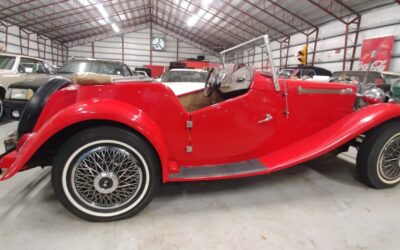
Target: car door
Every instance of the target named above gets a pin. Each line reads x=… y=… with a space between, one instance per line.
x=239 y=128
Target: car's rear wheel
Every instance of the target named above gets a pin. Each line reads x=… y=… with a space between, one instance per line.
x=106 y=174
x=378 y=159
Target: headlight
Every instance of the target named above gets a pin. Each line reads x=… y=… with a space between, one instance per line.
x=374 y=95
x=21 y=94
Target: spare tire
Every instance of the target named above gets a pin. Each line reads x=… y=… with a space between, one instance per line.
x=34 y=107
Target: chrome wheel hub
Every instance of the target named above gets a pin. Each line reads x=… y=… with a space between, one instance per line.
x=389 y=160
x=106 y=177
x=106 y=183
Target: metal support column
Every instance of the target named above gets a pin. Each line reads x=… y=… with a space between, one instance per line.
x=123 y=47
x=351 y=19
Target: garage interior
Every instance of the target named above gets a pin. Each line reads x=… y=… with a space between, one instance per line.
x=316 y=205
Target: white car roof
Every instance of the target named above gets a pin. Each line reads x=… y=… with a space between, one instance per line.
x=31 y=57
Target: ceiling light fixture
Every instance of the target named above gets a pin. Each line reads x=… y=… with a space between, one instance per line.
x=192 y=20
x=102 y=11
x=115 y=27
x=106 y=16
x=206 y=2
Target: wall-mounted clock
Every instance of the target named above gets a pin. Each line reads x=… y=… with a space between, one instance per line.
x=158 y=43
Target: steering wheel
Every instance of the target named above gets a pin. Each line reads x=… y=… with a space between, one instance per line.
x=211 y=82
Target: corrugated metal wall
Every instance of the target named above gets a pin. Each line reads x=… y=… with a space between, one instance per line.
x=24 y=42
x=136 y=50
x=378 y=22
x=329 y=53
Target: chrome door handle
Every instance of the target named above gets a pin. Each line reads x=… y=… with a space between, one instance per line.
x=267 y=118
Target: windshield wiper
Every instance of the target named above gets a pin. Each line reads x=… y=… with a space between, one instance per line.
x=64 y=72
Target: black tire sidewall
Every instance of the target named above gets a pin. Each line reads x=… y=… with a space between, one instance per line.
x=99 y=134
x=369 y=152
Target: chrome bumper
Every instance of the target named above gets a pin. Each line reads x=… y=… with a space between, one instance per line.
x=10 y=143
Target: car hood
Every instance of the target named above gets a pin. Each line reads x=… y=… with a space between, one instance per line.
x=35 y=83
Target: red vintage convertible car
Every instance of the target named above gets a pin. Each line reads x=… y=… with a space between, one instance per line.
x=111 y=144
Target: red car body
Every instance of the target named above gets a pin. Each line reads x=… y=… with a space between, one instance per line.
x=309 y=119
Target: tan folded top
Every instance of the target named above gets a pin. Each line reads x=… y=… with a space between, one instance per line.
x=91 y=79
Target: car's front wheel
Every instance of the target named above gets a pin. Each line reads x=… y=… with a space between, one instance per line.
x=106 y=174
x=378 y=159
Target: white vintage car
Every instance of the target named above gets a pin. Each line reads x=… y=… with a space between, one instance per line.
x=16 y=68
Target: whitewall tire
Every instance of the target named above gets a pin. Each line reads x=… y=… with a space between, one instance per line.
x=106 y=174
x=378 y=159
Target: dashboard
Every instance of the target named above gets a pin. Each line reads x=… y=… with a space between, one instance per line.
x=236 y=82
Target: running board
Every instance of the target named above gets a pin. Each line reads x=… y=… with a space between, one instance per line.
x=231 y=170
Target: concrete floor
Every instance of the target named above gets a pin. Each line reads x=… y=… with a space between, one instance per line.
x=319 y=205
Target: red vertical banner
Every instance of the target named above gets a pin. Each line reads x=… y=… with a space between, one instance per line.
x=383 y=47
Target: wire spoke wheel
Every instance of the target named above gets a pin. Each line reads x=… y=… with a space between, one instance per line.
x=106 y=177
x=389 y=159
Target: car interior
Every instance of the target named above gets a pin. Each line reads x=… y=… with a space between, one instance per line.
x=224 y=85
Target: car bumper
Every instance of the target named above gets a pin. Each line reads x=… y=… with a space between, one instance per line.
x=8 y=158
x=13 y=108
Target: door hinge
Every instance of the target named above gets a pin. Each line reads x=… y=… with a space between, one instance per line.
x=189 y=124
x=189 y=149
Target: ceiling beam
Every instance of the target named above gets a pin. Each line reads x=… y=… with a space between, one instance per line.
x=196 y=31
x=31 y=9
x=217 y=28
x=242 y=12
x=89 y=20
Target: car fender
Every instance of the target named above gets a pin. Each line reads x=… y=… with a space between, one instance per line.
x=332 y=137
x=107 y=110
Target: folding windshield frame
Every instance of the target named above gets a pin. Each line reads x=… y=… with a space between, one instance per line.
x=252 y=44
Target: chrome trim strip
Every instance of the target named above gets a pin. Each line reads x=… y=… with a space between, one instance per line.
x=346 y=91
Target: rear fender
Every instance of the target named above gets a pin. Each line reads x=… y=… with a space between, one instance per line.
x=108 y=110
x=332 y=137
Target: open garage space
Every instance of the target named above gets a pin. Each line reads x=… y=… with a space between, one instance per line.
x=199 y=124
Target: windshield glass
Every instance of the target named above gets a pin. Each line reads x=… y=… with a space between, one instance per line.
x=184 y=76
x=256 y=54
x=7 y=62
x=391 y=79
x=92 y=67
x=356 y=77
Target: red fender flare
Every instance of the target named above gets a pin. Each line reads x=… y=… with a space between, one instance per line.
x=108 y=110
x=332 y=137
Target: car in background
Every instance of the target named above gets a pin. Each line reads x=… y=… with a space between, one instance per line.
x=142 y=73
x=20 y=93
x=383 y=80
x=183 y=81
x=16 y=68
x=305 y=73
